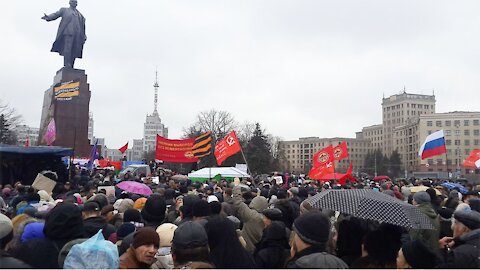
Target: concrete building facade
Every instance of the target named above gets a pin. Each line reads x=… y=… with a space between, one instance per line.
x=25 y=132
x=462 y=135
x=298 y=154
x=398 y=109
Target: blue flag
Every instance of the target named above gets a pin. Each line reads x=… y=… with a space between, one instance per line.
x=93 y=156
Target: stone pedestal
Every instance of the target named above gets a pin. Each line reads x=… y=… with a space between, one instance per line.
x=67 y=101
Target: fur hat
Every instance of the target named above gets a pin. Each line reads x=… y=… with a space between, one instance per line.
x=154 y=209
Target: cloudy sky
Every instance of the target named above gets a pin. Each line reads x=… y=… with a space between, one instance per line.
x=300 y=68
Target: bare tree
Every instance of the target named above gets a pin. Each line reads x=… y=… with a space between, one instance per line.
x=245 y=131
x=10 y=114
x=220 y=123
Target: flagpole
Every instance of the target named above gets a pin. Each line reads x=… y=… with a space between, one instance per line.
x=446 y=162
x=243 y=155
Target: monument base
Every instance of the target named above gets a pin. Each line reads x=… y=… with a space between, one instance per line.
x=67 y=102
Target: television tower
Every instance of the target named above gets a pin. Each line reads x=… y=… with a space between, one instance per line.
x=155 y=100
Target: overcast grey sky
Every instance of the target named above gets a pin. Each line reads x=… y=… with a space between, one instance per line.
x=300 y=68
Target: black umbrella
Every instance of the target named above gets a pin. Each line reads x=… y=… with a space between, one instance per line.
x=372 y=205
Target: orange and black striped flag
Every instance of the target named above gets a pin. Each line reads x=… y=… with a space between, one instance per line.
x=203 y=145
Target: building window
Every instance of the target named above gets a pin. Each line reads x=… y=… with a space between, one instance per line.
x=467 y=143
x=448 y=142
x=438 y=123
x=457 y=142
x=429 y=123
x=456 y=123
x=466 y=123
x=448 y=132
x=476 y=122
x=457 y=132
x=448 y=123
x=476 y=132
x=466 y=132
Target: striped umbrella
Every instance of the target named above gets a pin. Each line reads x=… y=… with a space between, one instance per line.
x=372 y=205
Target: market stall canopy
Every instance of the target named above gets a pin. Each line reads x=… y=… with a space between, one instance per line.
x=36 y=150
x=218 y=173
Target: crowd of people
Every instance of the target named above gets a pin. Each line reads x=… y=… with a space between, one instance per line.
x=240 y=224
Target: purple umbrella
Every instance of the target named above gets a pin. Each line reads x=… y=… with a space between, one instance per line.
x=135 y=187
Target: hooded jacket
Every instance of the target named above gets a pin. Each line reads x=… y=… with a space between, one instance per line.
x=428 y=237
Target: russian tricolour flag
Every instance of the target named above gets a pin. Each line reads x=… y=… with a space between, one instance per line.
x=434 y=145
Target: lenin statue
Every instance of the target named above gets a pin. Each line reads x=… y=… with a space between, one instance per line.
x=71 y=33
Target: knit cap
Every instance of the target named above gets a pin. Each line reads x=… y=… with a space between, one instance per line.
x=145 y=236
x=313 y=228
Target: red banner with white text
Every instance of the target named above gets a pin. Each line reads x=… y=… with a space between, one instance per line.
x=179 y=151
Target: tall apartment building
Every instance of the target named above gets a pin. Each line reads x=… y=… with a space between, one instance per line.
x=462 y=135
x=298 y=154
x=25 y=132
x=153 y=125
x=398 y=109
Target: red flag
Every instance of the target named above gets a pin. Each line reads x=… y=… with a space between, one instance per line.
x=318 y=172
x=123 y=148
x=350 y=169
x=27 y=142
x=323 y=156
x=473 y=160
x=340 y=151
x=226 y=147
x=322 y=163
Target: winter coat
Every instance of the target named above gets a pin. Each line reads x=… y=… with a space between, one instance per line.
x=93 y=224
x=252 y=221
x=228 y=208
x=465 y=253
x=288 y=211
x=428 y=237
x=312 y=257
x=273 y=250
x=128 y=260
x=9 y=262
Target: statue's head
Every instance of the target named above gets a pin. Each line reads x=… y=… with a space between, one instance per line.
x=73 y=3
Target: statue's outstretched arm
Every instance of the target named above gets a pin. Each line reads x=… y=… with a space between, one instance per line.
x=52 y=16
